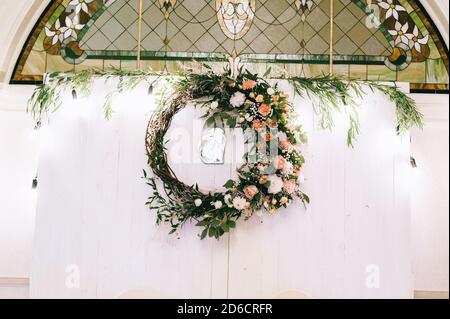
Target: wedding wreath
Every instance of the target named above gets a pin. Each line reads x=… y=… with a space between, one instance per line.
x=267 y=181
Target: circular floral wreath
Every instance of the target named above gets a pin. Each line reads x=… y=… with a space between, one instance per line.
x=269 y=180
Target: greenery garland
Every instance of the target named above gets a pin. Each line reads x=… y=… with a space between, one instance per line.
x=262 y=106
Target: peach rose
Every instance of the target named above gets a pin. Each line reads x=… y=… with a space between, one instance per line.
x=288 y=147
x=252 y=95
x=285 y=95
x=272 y=123
x=279 y=162
x=285 y=107
x=264 y=109
x=260 y=99
x=258 y=124
x=298 y=171
x=275 y=98
x=263 y=179
x=284 y=200
x=232 y=84
x=289 y=186
x=248 y=85
x=248 y=102
x=250 y=191
x=267 y=137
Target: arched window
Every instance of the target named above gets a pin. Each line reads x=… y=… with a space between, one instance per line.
x=386 y=40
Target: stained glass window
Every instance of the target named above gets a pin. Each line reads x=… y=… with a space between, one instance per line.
x=386 y=40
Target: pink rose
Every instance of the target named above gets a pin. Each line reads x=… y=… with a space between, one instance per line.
x=289 y=186
x=284 y=200
x=250 y=191
x=288 y=147
x=279 y=162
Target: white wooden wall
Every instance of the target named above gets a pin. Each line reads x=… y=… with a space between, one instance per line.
x=91 y=215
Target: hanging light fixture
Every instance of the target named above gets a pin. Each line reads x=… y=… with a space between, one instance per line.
x=74 y=94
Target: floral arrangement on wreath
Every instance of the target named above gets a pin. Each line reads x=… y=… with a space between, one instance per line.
x=269 y=179
x=265 y=184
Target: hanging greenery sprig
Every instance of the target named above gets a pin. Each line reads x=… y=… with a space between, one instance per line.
x=46 y=98
x=332 y=93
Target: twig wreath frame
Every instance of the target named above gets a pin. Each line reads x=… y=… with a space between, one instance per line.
x=248 y=101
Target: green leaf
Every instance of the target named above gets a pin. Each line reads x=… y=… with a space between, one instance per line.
x=212 y=232
x=210 y=121
x=229 y=184
x=219 y=232
x=231 y=224
x=232 y=122
x=204 y=233
x=225 y=116
x=225 y=227
x=215 y=222
x=305 y=198
x=202 y=223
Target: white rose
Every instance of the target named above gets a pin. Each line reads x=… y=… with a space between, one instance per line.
x=214 y=105
x=218 y=204
x=239 y=203
x=237 y=99
x=240 y=119
x=276 y=184
x=198 y=202
x=248 y=117
x=227 y=200
x=270 y=91
x=288 y=168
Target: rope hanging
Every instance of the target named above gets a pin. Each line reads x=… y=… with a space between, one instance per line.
x=139 y=36
x=331 y=34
